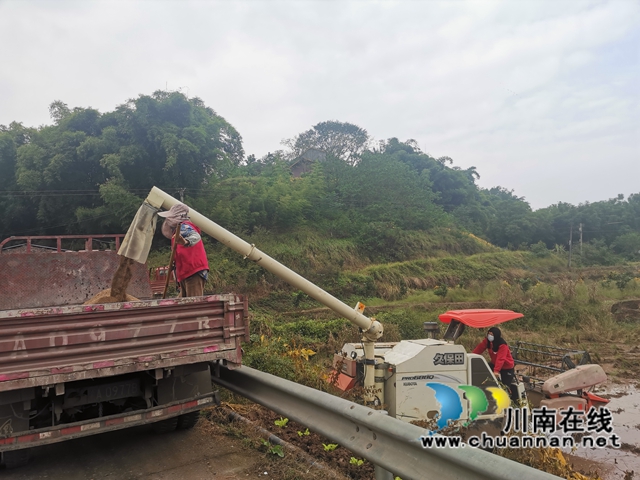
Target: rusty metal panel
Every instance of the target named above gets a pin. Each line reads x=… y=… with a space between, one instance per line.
x=43 y=346
x=43 y=436
x=62 y=278
x=158 y=279
x=26 y=243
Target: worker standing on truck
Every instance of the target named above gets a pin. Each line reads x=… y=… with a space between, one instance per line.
x=191 y=265
x=502 y=362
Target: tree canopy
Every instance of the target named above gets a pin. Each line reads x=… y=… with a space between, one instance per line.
x=88 y=172
x=342 y=140
x=91 y=167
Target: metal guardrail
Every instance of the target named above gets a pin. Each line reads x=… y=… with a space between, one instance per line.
x=384 y=441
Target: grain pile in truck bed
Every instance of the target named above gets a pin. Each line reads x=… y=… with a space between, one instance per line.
x=118 y=291
x=105 y=297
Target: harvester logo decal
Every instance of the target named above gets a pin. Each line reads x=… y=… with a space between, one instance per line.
x=449 y=359
x=451 y=405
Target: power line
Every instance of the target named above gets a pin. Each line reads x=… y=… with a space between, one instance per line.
x=207 y=193
x=67 y=193
x=63 y=225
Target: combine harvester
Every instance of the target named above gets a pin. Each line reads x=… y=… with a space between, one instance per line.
x=405 y=370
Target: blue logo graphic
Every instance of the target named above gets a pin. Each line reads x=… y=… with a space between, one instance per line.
x=451 y=406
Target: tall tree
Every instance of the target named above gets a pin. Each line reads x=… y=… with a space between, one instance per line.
x=510 y=219
x=164 y=139
x=339 y=139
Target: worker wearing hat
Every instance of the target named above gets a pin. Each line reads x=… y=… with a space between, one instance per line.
x=192 y=267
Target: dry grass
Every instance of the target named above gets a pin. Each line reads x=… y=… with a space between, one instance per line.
x=567 y=288
x=602 y=330
x=550 y=460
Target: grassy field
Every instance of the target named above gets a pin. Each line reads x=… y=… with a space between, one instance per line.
x=440 y=270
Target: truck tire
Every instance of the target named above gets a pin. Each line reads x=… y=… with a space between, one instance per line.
x=16 y=458
x=166 y=426
x=188 y=420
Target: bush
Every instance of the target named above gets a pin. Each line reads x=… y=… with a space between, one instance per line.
x=380 y=241
x=408 y=322
x=596 y=252
x=540 y=250
x=269 y=358
x=311 y=330
x=628 y=245
x=441 y=291
x=621 y=279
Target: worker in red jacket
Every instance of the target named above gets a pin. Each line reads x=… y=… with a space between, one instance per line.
x=192 y=267
x=502 y=362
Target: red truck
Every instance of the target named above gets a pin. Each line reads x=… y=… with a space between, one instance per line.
x=69 y=370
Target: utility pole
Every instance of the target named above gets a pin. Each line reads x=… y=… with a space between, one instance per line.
x=580 y=243
x=570 y=241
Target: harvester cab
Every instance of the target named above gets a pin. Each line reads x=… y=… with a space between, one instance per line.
x=573 y=376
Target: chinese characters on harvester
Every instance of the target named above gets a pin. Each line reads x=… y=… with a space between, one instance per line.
x=448 y=359
x=534 y=429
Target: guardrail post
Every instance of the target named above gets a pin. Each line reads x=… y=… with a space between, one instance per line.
x=381 y=473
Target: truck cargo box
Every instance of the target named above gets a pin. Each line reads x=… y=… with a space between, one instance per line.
x=45 y=346
x=47 y=271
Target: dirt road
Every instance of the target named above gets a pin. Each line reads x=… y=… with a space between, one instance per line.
x=138 y=453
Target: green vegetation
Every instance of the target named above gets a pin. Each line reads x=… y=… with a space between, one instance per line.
x=273 y=449
x=89 y=171
x=570 y=308
x=282 y=422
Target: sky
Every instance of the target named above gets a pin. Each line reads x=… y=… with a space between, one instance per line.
x=542 y=97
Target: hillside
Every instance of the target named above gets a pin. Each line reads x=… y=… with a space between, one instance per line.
x=391 y=202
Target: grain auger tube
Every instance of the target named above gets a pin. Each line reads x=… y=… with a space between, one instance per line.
x=157 y=199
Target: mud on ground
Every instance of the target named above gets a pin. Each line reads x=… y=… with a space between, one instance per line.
x=337 y=458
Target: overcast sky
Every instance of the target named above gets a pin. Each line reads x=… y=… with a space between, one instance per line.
x=542 y=97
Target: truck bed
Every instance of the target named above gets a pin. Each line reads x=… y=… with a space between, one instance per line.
x=46 y=346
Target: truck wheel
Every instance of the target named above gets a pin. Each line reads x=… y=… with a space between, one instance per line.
x=166 y=426
x=16 y=458
x=188 y=420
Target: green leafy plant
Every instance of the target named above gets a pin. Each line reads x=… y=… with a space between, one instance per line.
x=306 y=432
x=540 y=250
x=356 y=461
x=331 y=447
x=441 y=290
x=621 y=279
x=282 y=422
x=526 y=283
x=273 y=449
